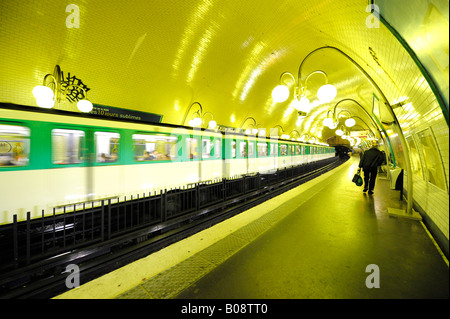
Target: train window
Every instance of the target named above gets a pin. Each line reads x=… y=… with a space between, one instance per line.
x=67 y=146
x=283 y=150
x=217 y=149
x=206 y=148
x=298 y=149
x=251 y=149
x=154 y=147
x=192 y=148
x=243 y=149
x=262 y=149
x=14 y=145
x=106 y=147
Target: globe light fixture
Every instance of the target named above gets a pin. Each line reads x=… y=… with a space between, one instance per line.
x=85 y=106
x=280 y=93
x=55 y=89
x=42 y=92
x=45 y=103
x=326 y=93
x=328 y=121
x=339 y=132
x=350 y=122
x=212 y=124
x=333 y=125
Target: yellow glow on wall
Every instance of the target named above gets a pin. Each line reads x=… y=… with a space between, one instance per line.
x=200 y=52
x=189 y=33
x=256 y=51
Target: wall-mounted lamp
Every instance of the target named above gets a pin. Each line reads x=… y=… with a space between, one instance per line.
x=253 y=131
x=325 y=94
x=298 y=135
x=283 y=135
x=55 y=88
x=349 y=122
x=339 y=132
x=197 y=117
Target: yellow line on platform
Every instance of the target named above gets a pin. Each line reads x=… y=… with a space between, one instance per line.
x=123 y=279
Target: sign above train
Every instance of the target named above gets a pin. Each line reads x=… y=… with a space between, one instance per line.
x=119 y=113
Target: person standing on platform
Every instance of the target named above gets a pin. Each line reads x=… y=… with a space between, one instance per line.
x=369 y=163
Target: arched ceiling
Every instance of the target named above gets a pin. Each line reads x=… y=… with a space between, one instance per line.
x=160 y=56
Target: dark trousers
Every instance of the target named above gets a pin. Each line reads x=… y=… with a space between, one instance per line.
x=370 y=175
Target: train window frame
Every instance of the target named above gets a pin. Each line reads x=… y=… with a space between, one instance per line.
x=190 y=155
x=233 y=148
x=280 y=149
x=154 y=158
x=209 y=141
x=260 y=144
x=7 y=158
x=82 y=151
x=109 y=158
x=243 y=152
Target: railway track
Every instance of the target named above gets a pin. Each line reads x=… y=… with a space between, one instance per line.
x=46 y=278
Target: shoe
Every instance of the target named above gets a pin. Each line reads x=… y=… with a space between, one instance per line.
x=370 y=192
x=364 y=190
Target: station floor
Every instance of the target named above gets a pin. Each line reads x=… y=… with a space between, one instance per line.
x=325 y=239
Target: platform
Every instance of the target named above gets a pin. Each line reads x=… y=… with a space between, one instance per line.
x=320 y=240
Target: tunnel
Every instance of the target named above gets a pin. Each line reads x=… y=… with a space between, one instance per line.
x=340 y=74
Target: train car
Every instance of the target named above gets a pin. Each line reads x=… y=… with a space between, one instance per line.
x=51 y=158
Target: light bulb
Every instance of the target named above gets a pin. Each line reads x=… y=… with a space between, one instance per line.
x=326 y=93
x=339 y=132
x=280 y=93
x=196 y=121
x=212 y=124
x=327 y=122
x=333 y=125
x=304 y=105
x=350 y=122
x=42 y=92
x=85 y=106
x=45 y=103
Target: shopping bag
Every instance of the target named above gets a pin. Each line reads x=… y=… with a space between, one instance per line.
x=357 y=179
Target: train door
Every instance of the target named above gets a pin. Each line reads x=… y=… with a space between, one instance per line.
x=71 y=148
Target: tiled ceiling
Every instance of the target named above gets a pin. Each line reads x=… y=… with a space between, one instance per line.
x=160 y=56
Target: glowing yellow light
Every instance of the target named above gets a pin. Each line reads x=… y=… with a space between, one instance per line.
x=326 y=93
x=280 y=93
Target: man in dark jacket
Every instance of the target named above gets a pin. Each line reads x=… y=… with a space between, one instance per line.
x=369 y=162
